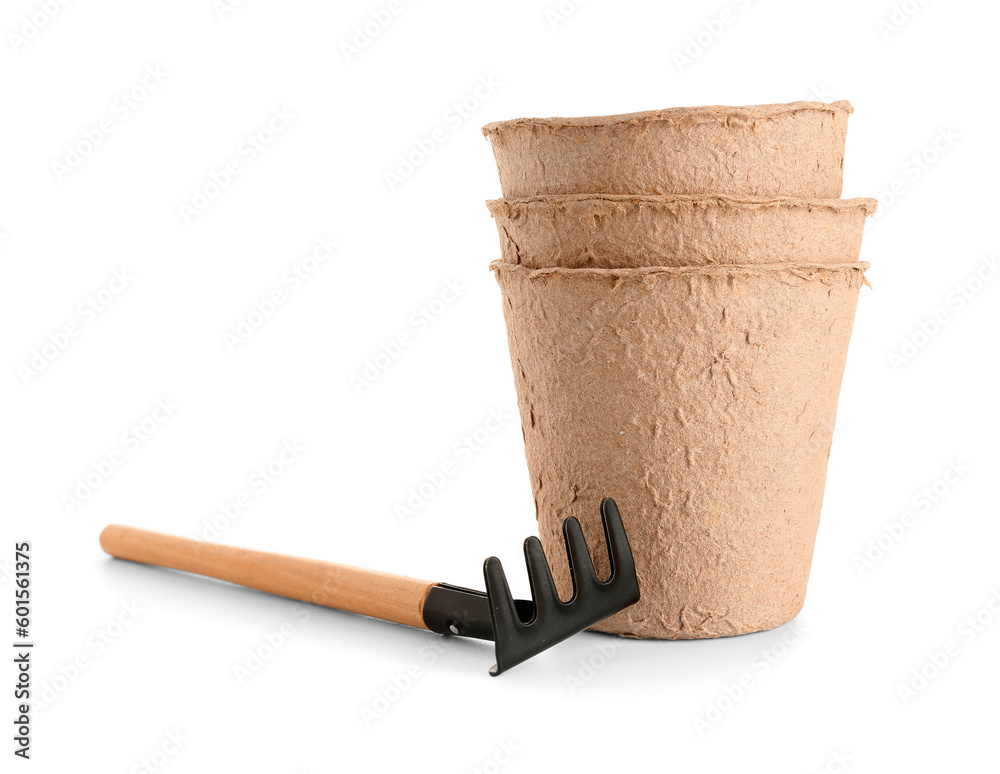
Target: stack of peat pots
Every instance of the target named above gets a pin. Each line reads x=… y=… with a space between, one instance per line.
x=679 y=290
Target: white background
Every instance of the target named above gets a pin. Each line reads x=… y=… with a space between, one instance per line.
x=829 y=696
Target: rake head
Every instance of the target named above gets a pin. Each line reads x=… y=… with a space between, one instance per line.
x=521 y=629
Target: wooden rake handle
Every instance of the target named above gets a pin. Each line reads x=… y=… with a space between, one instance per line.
x=354 y=589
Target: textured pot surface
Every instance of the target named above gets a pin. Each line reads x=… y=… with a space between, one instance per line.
x=794 y=149
x=608 y=231
x=702 y=399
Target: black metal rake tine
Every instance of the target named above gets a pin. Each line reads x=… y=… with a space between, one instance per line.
x=502 y=608
x=581 y=566
x=543 y=587
x=619 y=552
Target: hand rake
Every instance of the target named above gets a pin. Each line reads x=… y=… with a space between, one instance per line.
x=519 y=628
